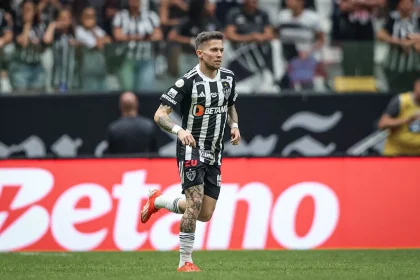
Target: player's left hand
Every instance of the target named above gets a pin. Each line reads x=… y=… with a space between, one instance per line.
x=235 y=136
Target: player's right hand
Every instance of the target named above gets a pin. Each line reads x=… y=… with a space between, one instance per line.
x=186 y=138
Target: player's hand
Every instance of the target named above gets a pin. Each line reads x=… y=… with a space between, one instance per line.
x=186 y=138
x=235 y=136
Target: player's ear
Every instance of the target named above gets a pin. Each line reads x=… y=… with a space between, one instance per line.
x=199 y=53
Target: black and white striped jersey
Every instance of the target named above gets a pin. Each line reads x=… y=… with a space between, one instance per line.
x=204 y=105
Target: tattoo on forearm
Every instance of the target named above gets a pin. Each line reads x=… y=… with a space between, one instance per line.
x=165 y=122
x=232 y=116
x=194 y=196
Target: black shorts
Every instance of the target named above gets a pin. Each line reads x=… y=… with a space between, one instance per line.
x=194 y=172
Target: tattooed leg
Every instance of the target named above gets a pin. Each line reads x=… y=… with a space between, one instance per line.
x=194 y=198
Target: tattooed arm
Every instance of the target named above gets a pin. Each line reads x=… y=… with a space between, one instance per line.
x=233 y=123
x=164 y=121
x=162 y=118
x=232 y=116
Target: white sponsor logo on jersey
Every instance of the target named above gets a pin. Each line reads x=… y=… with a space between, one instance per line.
x=215 y=110
x=169 y=99
x=172 y=93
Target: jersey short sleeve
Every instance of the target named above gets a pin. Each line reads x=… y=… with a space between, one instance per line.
x=265 y=19
x=389 y=24
x=176 y=93
x=393 y=108
x=233 y=95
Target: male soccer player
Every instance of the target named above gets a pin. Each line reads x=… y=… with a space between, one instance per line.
x=206 y=95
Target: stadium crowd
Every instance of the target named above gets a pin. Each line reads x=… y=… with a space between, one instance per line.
x=142 y=45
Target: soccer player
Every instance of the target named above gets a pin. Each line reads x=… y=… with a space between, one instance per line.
x=206 y=95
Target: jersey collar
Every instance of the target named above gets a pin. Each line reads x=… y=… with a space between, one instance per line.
x=205 y=78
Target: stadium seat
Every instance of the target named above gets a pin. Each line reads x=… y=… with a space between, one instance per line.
x=355 y=84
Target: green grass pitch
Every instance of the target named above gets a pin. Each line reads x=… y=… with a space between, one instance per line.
x=219 y=265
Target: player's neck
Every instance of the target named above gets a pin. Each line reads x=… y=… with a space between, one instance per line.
x=208 y=72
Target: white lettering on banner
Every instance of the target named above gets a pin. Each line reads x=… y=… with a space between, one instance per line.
x=34 y=184
x=259 y=199
x=65 y=216
x=265 y=214
x=130 y=194
x=325 y=220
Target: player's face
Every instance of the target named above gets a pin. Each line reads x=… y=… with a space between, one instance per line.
x=211 y=53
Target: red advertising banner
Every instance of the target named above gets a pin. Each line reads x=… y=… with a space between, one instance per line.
x=94 y=204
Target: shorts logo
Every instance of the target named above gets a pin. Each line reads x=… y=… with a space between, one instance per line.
x=219 y=180
x=206 y=154
x=190 y=175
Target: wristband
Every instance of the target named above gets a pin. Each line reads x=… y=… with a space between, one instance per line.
x=176 y=129
x=234 y=125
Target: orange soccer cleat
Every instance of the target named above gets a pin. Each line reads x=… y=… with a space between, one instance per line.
x=149 y=209
x=189 y=267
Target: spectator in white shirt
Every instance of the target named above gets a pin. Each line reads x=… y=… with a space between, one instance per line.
x=94 y=39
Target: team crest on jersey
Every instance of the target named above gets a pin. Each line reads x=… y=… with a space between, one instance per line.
x=190 y=175
x=179 y=83
x=226 y=89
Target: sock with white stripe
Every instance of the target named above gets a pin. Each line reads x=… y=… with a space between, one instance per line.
x=169 y=203
x=186 y=244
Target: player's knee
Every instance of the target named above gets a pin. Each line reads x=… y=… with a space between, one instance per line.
x=205 y=217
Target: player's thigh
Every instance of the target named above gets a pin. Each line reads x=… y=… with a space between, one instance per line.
x=191 y=173
x=212 y=184
x=207 y=208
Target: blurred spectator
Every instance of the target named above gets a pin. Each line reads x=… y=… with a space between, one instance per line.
x=112 y=7
x=248 y=24
x=15 y=8
x=172 y=12
x=201 y=18
x=356 y=34
x=402 y=65
x=93 y=66
x=308 y=4
x=303 y=69
x=135 y=31
x=131 y=134
x=26 y=71
x=223 y=7
x=299 y=27
x=249 y=30
x=61 y=34
x=402 y=118
x=6 y=36
x=100 y=7
x=392 y=5
x=48 y=10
